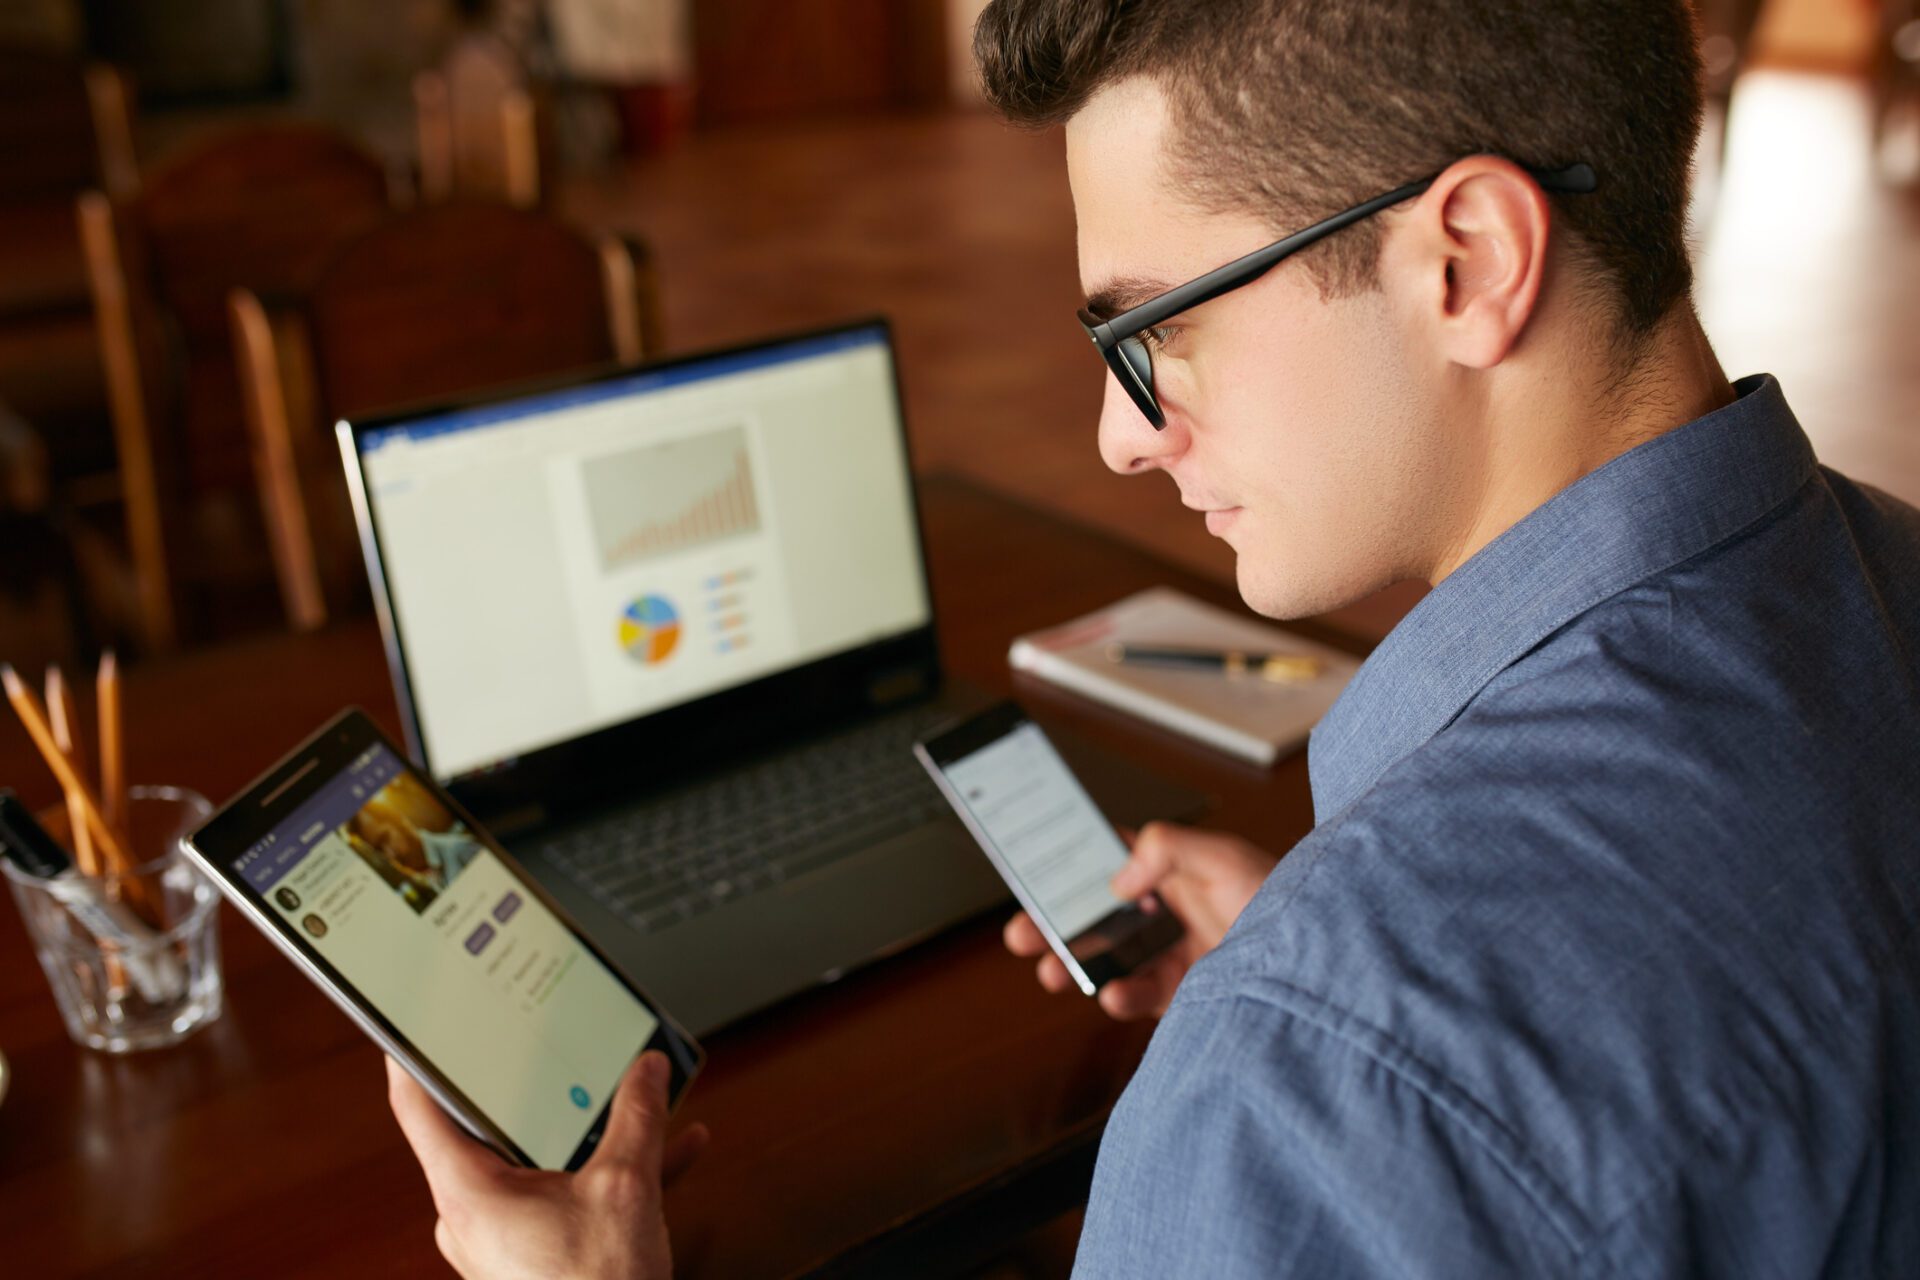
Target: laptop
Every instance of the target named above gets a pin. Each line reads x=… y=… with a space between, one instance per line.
x=667 y=631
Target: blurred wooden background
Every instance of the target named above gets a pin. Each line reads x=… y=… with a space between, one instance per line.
x=775 y=165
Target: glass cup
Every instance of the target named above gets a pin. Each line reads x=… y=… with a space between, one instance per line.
x=133 y=957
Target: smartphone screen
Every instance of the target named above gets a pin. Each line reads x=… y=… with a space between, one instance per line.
x=1052 y=844
x=375 y=873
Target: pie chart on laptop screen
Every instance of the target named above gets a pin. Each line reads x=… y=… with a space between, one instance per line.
x=649 y=630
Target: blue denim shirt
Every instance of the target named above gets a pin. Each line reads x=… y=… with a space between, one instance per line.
x=1603 y=957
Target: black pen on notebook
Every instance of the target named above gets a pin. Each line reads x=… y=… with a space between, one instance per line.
x=1279 y=668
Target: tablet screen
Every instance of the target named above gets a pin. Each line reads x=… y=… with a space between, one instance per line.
x=438 y=934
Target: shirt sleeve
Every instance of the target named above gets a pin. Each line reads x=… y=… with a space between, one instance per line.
x=1259 y=1140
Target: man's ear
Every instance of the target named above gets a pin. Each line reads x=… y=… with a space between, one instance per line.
x=1477 y=244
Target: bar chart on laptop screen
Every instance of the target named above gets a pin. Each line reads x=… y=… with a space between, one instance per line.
x=666 y=498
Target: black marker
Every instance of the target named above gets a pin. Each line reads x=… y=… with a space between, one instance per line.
x=27 y=844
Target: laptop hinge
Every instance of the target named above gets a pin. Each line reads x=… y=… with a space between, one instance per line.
x=515 y=822
x=892 y=687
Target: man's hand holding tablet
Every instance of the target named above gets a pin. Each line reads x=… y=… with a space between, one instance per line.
x=532 y=1078
x=498 y=1220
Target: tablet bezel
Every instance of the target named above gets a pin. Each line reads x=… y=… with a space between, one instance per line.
x=277 y=794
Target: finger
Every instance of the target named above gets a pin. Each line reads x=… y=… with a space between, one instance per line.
x=1053 y=975
x=682 y=1151
x=457 y=1167
x=1023 y=936
x=1135 y=997
x=637 y=1120
x=1154 y=851
x=1146 y=992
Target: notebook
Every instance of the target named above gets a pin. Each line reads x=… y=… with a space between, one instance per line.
x=1244 y=716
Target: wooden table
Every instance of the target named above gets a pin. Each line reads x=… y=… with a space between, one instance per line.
x=866 y=1128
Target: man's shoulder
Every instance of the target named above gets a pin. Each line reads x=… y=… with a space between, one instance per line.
x=1569 y=907
x=1831 y=577
x=1886 y=532
x=1882 y=516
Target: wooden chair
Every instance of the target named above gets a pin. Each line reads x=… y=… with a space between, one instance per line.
x=261 y=208
x=434 y=302
x=477 y=127
x=64 y=129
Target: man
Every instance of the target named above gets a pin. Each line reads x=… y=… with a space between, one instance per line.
x=1602 y=956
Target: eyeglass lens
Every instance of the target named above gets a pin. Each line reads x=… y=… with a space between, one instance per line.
x=1135 y=367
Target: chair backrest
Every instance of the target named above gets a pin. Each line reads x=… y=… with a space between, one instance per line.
x=261 y=208
x=433 y=303
x=63 y=126
x=477 y=127
x=443 y=300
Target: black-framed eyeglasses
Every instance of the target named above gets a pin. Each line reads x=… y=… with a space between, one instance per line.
x=1119 y=337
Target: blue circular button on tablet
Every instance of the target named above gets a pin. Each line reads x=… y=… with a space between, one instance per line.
x=579 y=1096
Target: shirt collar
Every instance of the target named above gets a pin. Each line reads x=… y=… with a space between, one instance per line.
x=1646 y=510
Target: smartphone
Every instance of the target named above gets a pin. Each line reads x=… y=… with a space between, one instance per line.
x=1049 y=841
x=425 y=932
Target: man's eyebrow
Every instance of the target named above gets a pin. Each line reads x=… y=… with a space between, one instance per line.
x=1118 y=295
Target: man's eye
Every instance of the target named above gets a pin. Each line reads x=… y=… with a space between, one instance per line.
x=1160 y=336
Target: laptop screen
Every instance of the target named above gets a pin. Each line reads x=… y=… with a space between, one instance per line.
x=574 y=559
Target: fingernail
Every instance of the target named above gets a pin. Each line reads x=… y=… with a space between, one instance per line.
x=653 y=1069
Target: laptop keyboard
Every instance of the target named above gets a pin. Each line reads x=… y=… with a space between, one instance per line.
x=749 y=830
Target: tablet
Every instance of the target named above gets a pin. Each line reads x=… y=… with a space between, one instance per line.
x=433 y=939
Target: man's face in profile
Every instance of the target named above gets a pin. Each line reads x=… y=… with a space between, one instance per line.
x=1312 y=432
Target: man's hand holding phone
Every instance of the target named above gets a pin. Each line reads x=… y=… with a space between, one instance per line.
x=1206 y=878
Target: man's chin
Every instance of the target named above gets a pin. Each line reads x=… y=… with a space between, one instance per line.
x=1283 y=592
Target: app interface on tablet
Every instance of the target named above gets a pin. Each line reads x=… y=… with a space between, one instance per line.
x=1045 y=826
x=453 y=949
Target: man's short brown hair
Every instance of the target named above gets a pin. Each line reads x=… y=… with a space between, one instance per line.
x=1294 y=109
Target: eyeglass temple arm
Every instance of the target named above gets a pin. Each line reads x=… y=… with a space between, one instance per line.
x=1574 y=179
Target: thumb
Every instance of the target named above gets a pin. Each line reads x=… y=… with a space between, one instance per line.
x=1150 y=863
x=637 y=1121
x=457 y=1167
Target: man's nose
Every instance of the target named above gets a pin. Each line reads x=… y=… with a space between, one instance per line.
x=1128 y=442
